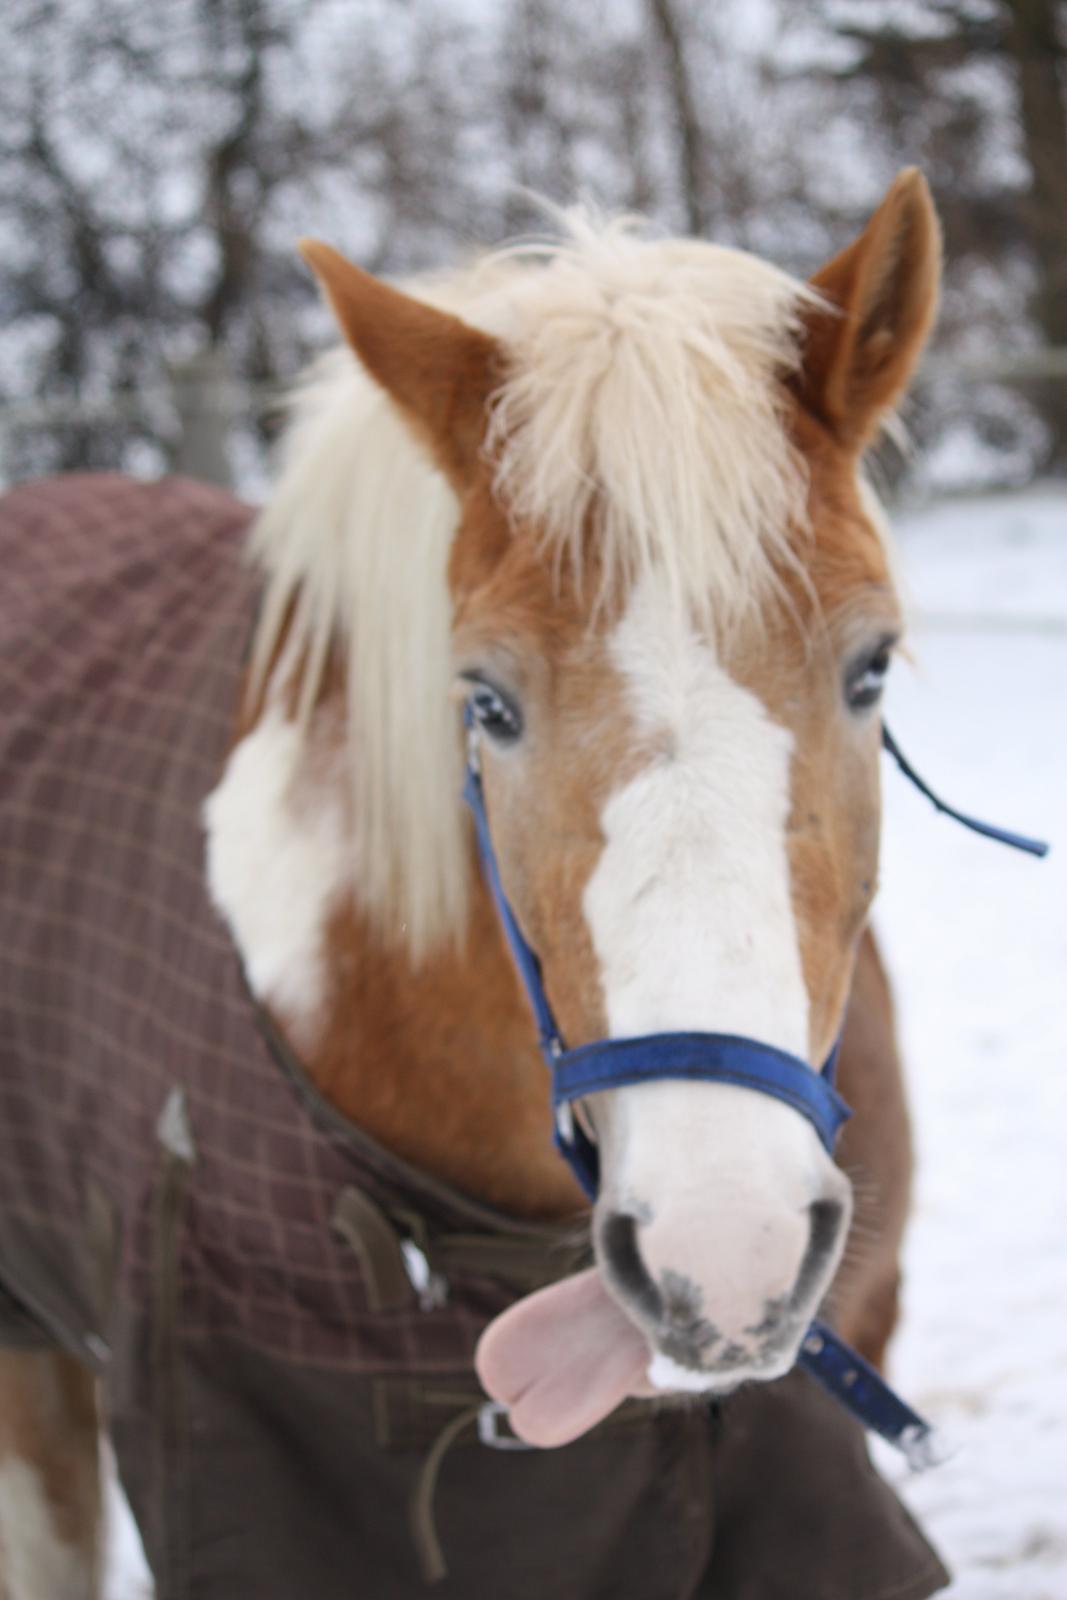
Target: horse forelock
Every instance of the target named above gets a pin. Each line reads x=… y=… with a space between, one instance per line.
x=642 y=422
x=640 y=430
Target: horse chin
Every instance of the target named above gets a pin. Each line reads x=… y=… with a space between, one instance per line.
x=677 y=1365
x=666 y=1376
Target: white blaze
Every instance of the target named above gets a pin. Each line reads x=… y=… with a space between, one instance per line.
x=690 y=905
x=691 y=915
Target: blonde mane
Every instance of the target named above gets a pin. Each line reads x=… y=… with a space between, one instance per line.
x=642 y=408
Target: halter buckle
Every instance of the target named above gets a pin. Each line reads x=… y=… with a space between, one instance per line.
x=491 y=1416
x=474 y=754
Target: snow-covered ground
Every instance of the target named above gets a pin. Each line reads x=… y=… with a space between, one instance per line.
x=976 y=937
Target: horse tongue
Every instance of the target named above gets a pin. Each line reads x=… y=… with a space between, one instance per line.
x=561 y=1359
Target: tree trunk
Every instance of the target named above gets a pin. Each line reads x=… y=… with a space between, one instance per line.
x=1039 y=67
x=692 y=161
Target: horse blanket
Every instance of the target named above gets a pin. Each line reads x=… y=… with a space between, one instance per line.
x=283 y=1315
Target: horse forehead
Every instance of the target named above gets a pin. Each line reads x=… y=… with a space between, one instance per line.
x=694 y=850
x=685 y=693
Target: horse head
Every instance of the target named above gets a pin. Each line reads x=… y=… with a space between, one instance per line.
x=671 y=615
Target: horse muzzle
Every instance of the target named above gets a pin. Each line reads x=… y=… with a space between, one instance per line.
x=721 y=1251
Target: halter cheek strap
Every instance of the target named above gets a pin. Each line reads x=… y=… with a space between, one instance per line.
x=712 y=1058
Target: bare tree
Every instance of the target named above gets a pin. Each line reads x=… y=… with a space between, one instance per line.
x=976 y=91
x=147 y=160
x=158 y=162
x=692 y=139
x=1034 y=39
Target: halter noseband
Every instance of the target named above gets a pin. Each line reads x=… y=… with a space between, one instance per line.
x=616 y=1063
x=713 y=1058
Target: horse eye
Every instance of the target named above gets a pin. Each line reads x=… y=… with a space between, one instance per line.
x=498 y=716
x=865 y=683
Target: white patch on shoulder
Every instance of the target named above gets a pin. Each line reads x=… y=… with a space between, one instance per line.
x=690 y=905
x=277 y=864
x=38 y=1564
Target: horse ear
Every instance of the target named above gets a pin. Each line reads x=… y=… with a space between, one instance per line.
x=882 y=292
x=439 y=371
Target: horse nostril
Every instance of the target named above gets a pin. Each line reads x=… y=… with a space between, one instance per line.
x=626 y=1270
x=826 y=1218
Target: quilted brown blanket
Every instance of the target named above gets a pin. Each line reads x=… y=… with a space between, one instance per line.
x=282 y=1314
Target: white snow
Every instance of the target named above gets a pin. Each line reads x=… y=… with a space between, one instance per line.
x=976 y=937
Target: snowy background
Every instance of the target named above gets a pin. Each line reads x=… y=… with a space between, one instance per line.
x=976 y=937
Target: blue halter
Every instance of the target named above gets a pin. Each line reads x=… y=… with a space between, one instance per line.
x=713 y=1058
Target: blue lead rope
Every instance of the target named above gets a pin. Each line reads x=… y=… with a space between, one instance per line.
x=1018 y=841
x=715 y=1058
x=862 y=1390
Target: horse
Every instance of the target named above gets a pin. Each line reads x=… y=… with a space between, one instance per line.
x=278 y=1139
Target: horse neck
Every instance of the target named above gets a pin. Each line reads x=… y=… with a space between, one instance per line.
x=437 y=1060
x=440 y=1063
